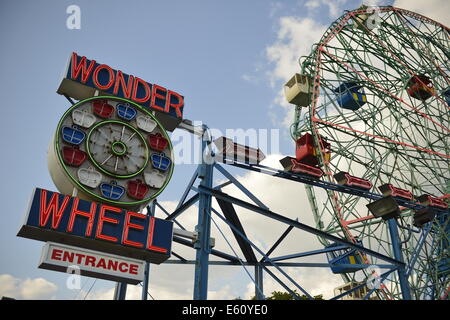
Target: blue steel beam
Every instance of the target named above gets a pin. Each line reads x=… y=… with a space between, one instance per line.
x=258 y=290
x=168 y=214
x=395 y=242
x=280 y=239
x=230 y=214
x=260 y=252
x=294 y=294
x=188 y=189
x=214 y=252
x=281 y=264
x=240 y=186
x=259 y=282
x=418 y=248
x=220 y=186
x=183 y=207
x=120 y=291
x=297 y=224
x=203 y=228
x=309 y=253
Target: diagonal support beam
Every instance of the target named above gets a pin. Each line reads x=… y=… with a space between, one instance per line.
x=240 y=186
x=183 y=207
x=168 y=214
x=214 y=252
x=383 y=276
x=262 y=253
x=280 y=239
x=188 y=188
x=418 y=248
x=308 y=253
x=231 y=215
x=298 y=225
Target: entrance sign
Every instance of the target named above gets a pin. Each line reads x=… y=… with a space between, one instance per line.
x=69 y=220
x=95 y=264
x=83 y=77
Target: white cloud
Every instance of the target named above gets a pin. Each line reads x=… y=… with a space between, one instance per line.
x=294 y=39
x=334 y=7
x=29 y=289
x=435 y=9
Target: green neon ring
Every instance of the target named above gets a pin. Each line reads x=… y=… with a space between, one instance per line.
x=115 y=151
x=75 y=181
x=106 y=171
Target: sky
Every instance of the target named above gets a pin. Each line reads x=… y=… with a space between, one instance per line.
x=228 y=58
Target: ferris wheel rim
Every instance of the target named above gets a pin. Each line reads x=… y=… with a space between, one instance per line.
x=314 y=71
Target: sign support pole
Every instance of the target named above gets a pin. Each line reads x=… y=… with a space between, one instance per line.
x=259 y=281
x=121 y=291
x=202 y=245
x=150 y=212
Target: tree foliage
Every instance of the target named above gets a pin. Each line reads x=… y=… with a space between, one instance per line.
x=282 y=295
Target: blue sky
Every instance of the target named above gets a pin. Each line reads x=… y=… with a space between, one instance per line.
x=212 y=52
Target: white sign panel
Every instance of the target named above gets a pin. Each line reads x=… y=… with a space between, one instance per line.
x=91 y=263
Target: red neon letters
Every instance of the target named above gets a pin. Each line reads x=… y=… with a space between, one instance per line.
x=55 y=217
x=106 y=79
x=109 y=223
x=52 y=209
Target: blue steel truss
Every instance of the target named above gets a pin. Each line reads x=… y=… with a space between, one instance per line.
x=205 y=191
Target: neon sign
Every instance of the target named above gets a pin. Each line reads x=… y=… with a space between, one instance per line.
x=69 y=220
x=111 y=150
x=83 y=77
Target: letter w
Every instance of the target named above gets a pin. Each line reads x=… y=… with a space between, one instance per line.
x=51 y=209
x=81 y=67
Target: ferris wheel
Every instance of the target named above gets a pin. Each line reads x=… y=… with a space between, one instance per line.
x=372 y=112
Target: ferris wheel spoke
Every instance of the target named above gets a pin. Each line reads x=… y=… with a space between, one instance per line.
x=122 y=132
x=130 y=137
x=106 y=160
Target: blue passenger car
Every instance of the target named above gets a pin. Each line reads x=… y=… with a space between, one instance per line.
x=350 y=95
x=341 y=260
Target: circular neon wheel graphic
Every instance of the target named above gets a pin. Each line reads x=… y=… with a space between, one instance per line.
x=117 y=149
x=111 y=150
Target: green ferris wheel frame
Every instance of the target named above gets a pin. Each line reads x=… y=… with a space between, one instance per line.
x=378 y=142
x=57 y=146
